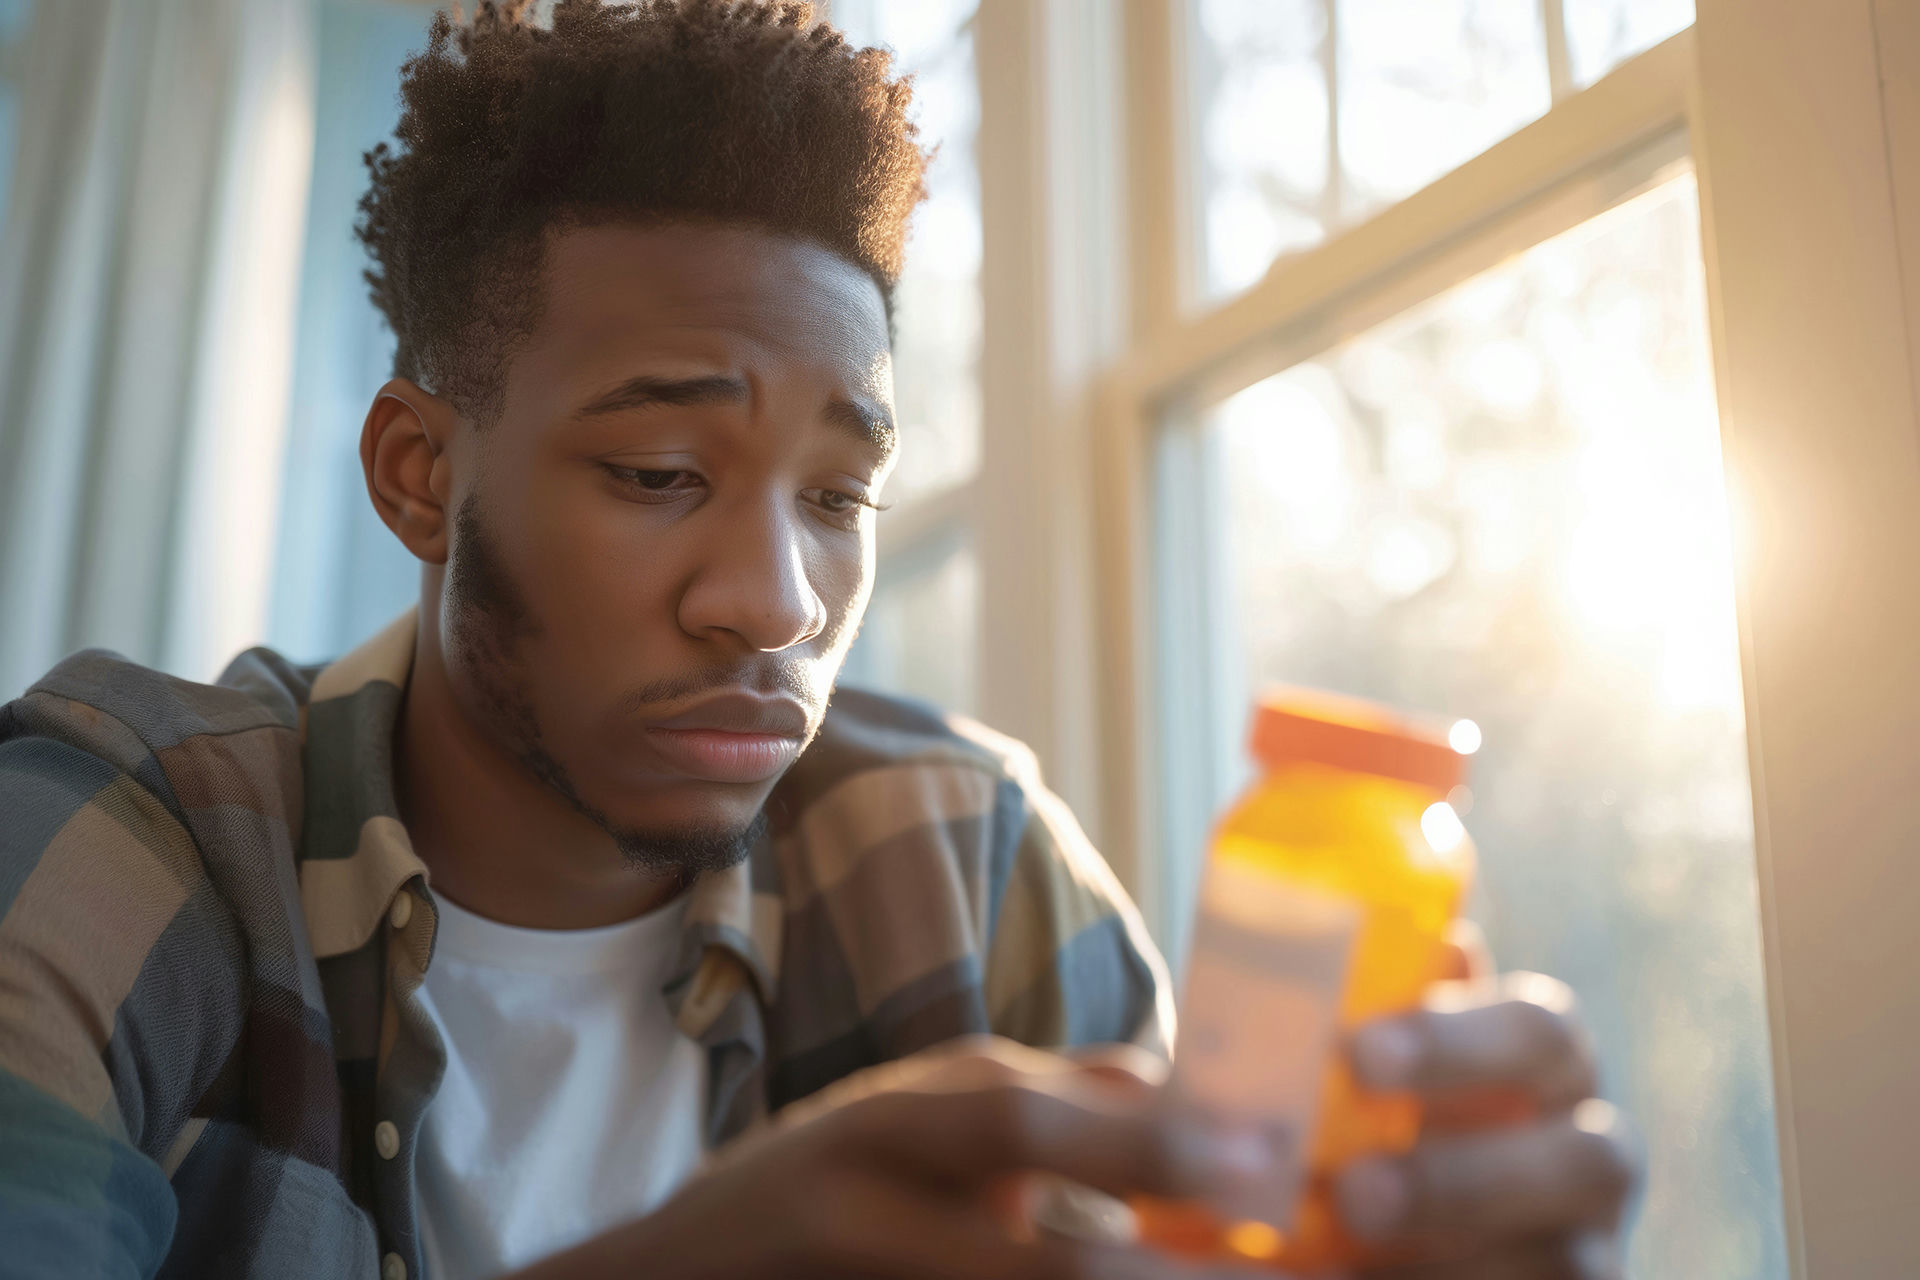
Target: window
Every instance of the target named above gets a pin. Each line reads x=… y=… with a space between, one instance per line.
x=1311 y=115
x=339 y=574
x=937 y=304
x=919 y=635
x=1601 y=34
x=1506 y=504
x=1416 y=400
x=13 y=24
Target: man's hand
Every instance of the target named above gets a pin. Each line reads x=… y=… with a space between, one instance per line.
x=922 y=1167
x=914 y=1169
x=1520 y=1174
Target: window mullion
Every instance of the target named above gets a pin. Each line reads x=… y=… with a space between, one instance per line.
x=1159 y=245
x=1333 y=195
x=1553 y=22
x=1811 y=294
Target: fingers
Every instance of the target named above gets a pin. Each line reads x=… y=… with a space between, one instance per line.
x=1524 y=1033
x=1058 y=1260
x=976 y=1109
x=1593 y=1256
x=873 y=1226
x=1126 y=1066
x=865 y=1225
x=1062 y=1260
x=1050 y=1205
x=961 y=1063
x=1561 y=1175
x=1533 y=1201
x=1004 y=1120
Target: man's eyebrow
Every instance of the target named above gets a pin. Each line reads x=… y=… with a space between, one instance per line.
x=870 y=422
x=647 y=391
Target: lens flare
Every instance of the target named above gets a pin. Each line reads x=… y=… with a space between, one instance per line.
x=1442 y=827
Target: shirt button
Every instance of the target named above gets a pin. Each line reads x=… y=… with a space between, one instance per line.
x=393 y=1267
x=402 y=910
x=386 y=1140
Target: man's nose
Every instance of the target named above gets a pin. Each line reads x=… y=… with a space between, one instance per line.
x=753 y=583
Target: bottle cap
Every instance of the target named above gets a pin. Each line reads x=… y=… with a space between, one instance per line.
x=1308 y=726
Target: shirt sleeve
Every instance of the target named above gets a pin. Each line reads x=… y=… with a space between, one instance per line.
x=1069 y=962
x=92 y=869
x=75 y=1202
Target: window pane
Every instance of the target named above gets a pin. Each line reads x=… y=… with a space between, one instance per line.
x=1601 y=34
x=13 y=29
x=1312 y=114
x=339 y=574
x=918 y=638
x=1508 y=505
x=936 y=351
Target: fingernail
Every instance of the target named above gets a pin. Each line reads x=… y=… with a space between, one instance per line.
x=1596 y=1116
x=1374 y=1198
x=1385 y=1054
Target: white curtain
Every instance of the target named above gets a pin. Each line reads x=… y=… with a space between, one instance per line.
x=149 y=268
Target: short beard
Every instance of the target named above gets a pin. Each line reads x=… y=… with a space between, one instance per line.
x=488 y=618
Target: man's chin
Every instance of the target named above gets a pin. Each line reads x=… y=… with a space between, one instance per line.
x=688 y=830
x=687 y=851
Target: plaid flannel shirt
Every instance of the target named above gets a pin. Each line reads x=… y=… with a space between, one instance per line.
x=213 y=931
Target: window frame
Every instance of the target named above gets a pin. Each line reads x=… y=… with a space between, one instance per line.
x=1090 y=340
x=1572 y=164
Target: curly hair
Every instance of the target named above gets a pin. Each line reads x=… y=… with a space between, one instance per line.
x=741 y=112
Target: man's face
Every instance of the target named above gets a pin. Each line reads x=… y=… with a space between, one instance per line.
x=663 y=546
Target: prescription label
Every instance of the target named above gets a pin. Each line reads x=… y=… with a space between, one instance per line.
x=1261 y=1009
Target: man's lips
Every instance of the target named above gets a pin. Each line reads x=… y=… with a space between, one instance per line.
x=738 y=737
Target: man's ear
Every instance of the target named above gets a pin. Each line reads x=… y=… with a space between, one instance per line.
x=403 y=452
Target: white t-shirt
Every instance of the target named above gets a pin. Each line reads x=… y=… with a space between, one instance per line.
x=571 y=1102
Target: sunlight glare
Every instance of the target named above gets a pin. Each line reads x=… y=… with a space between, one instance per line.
x=1442 y=827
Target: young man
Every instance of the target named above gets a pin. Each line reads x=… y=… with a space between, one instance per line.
x=491 y=945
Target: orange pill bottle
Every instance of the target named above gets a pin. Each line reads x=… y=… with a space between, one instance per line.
x=1326 y=903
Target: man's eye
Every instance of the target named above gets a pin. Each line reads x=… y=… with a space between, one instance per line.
x=836 y=502
x=655 y=481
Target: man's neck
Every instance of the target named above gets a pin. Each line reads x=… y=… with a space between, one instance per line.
x=495 y=839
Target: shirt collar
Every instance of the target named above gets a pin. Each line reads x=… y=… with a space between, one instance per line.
x=355 y=853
